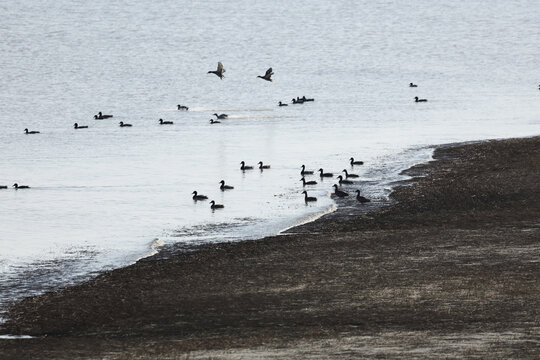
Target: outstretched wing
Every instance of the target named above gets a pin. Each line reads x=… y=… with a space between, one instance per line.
x=220 y=67
x=268 y=73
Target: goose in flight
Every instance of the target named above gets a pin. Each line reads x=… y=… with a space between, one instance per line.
x=219 y=72
x=268 y=75
x=221 y=116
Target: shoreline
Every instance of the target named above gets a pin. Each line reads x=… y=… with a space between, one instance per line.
x=413 y=272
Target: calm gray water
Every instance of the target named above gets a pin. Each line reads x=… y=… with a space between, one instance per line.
x=106 y=196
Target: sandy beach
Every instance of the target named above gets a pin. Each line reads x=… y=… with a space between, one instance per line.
x=449 y=270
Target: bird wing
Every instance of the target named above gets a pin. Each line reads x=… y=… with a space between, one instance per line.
x=268 y=73
x=220 y=67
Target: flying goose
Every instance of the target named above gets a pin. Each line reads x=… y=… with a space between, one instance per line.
x=342 y=181
x=76 y=126
x=311 y=182
x=224 y=187
x=268 y=75
x=219 y=72
x=161 y=122
x=347 y=175
x=361 y=198
x=214 y=206
x=338 y=192
x=323 y=174
x=221 y=116
x=30 y=132
x=124 y=125
x=17 y=186
x=352 y=162
x=308 y=198
x=199 y=197
x=243 y=166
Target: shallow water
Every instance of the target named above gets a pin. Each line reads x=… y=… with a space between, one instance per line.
x=105 y=196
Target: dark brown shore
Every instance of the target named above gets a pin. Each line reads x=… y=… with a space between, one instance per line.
x=452 y=270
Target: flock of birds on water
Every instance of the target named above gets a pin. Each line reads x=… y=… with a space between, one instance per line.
x=243 y=167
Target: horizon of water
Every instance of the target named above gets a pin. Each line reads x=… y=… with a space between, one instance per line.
x=106 y=196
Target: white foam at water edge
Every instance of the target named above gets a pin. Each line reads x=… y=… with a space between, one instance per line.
x=154 y=248
x=15 y=337
x=309 y=218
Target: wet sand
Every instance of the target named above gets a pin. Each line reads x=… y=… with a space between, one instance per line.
x=452 y=269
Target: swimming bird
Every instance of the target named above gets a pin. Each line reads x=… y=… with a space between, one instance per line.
x=221 y=116
x=182 y=107
x=347 y=175
x=305 y=99
x=261 y=166
x=308 y=198
x=304 y=182
x=161 y=122
x=76 y=126
x=343 y=181
x=3 y=186
x=214 y=206
x=199 y=197
x=243 y=166
x=100 y=116
x=352 y=162
x=305 y=172
x=268 y=75
x=212 y=121
x=412 y=85
x=124 y=125
x=219 y=72
x=30 y=132
x=361 y=198
x=297 y=101
x=224 y=187
x=338 y=192
x=282 y=104
x=17 y=186
x=416 y=99
x=323 y=174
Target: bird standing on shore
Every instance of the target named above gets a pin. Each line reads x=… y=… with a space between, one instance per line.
x=338 y=192
x=361 y=198
x=267 y=76
x=219 y=72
